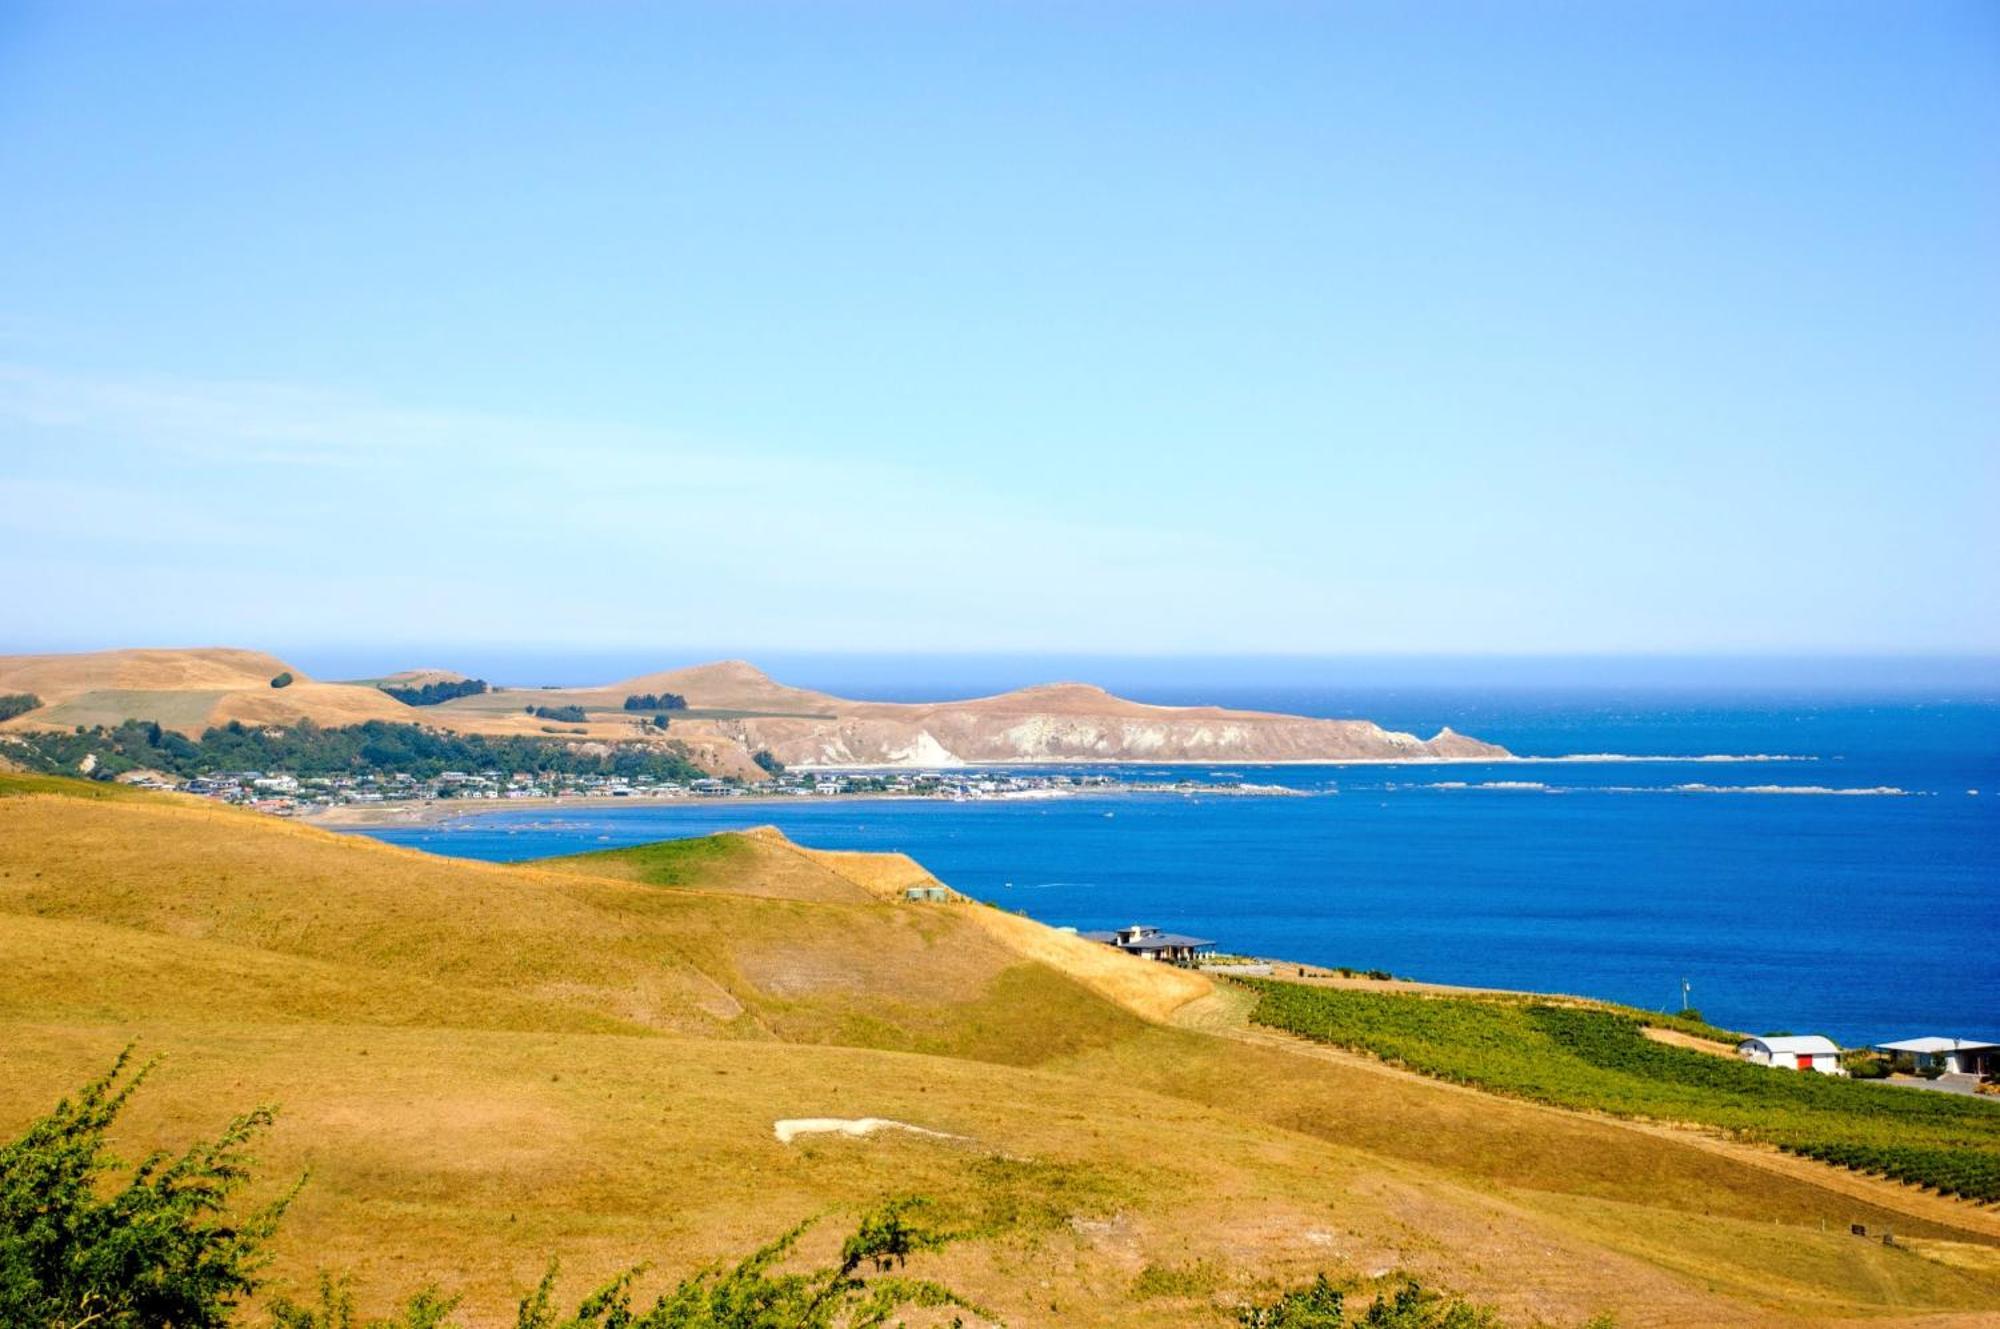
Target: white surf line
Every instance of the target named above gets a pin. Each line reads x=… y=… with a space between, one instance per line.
x=1536 y=786
x=791 y=1128
x=1611 y=758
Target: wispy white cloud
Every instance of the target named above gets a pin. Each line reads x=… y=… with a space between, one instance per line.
x=589 y=528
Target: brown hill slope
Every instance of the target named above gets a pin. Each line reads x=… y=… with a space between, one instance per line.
x=484 y=1065
x=57 y=678
x=186 y=690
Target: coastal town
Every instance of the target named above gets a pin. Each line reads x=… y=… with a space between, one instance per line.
x=285 y=794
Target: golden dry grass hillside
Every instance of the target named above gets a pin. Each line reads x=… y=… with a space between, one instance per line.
x=185 y=690
x=482 y=1066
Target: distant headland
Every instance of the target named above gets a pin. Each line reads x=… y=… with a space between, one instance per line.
x=729 y=718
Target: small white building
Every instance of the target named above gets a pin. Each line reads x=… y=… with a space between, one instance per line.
x=1793 y=1052
x=1953 y=1056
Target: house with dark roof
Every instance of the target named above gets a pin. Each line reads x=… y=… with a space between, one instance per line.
x=1149 y=943
x=1952 y=1056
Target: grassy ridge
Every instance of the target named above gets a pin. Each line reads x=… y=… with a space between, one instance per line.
x=1597 y=1059
x=482 y=1065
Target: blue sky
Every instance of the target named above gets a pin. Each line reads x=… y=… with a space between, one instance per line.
x=1085 y=328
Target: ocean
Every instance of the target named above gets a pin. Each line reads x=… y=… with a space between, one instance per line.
x=1846 y=882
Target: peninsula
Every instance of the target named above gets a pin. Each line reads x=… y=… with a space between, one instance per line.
x=729 y=719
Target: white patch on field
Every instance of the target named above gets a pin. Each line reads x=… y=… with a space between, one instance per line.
x=791 y=1128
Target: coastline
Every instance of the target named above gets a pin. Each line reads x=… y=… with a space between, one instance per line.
x=1261 y=763
x=430 y=812
x=433 y=811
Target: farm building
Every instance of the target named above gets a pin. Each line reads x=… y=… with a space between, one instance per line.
x=1953 y=1056
x=1800 y=1052
x=1149 y=943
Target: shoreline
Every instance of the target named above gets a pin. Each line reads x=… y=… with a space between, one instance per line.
x=433 y=811
x=1261 y=763
x=430 y=812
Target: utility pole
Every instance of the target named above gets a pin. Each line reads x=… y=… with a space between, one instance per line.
x=1684 y=993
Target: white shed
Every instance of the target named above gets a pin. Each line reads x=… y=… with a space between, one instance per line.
x=1794 y=1052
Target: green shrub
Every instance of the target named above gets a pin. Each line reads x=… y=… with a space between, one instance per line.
x=334 y=1309
x=562 y=714
x=1176 y=1280
x=283 y=680
x=17 y=703
x=852 y=1294
x=1862 y=1064
x=1320 y=1305
x=159 y=1251
x=770 y=764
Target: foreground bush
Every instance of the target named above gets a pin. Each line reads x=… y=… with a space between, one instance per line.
x=158 y=1250
x=1321 y=1305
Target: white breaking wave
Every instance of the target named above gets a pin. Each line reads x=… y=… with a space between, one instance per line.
x=1605 y=758
x=1878 y=791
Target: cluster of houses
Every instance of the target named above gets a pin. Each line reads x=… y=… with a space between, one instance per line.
x=1811 y=1052
x=960 y=786
x=293 y=795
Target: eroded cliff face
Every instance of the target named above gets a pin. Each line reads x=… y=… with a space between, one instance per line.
x=1070 y=722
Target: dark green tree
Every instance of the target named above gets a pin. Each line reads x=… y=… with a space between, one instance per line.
x=443 y=690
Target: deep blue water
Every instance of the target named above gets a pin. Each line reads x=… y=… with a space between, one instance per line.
x=1862 y=916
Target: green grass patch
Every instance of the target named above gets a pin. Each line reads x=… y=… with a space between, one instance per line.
x=1184 y=1281
x=687 y=863
x=20 y=786
x=1598 y=1059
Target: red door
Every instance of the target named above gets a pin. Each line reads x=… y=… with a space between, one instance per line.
x=1805 y=1061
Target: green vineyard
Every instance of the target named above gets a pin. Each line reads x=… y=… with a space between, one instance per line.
x=1597 y=1058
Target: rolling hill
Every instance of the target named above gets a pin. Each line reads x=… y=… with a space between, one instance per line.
x=481 y=1066
x=185 y=690
x=733 y=711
